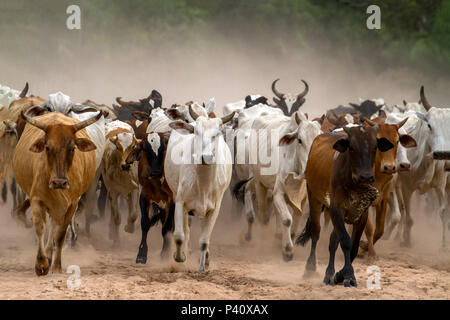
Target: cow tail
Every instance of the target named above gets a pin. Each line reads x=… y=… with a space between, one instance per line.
x=101 y=201
x=237 y=193
x=304 y=237
x=157 y=215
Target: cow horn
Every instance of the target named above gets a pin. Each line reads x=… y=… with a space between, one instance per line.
x=23 y=94
x=120 y=101
x=192 y=113
x=297 y=119
x=35 y=122
x=275 y=91
x=400 y=124
x=305 y=92
x=83 y=124
x=228 y=117
x=405 y=103
x=424 y=100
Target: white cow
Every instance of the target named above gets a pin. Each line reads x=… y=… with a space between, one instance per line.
x=431 y=131
x=283 y=145
x=197 y=179
x=238 y=142
x=120 y=178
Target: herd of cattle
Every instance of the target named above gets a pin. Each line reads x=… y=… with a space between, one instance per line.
x=172 y=163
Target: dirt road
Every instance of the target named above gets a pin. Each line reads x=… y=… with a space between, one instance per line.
x=238 y=270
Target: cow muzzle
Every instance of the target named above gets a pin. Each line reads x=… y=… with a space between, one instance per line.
x=207 y=159
x=59 y=184
x=125 y=166
x=389 y=169
x=155 y=174
x=441 y=155
x=404 y=166
x=366 y=178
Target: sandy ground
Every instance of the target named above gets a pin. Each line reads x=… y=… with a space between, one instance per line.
x=238 y=270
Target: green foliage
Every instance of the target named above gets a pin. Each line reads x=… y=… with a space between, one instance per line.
x=413 y=33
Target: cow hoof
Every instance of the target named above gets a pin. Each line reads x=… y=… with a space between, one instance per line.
x=179 y=257
x=129 y=228
x=142 y=260
x=164 y=255
x=201 y=269
x=363 y=245
x=41 y=270
x=248 y=237
x=310 y=267
x=329 y=279
x=338 y=277
x=288 y=256
x=350 y=283
x=56 y=269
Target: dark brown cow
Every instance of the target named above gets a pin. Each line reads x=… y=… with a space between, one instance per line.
x=126 y=108
x=339 y=175
x=150 y=152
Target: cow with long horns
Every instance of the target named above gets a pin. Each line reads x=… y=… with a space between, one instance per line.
x=54 y=163
x=288 y=102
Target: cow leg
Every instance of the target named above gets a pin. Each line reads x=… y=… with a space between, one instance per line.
x=167 y=231
x=407 y=221
x=19 y=213
x=38 y=213
x=72 y=232
x=312 y=229
x=261 y=198
x=4 y=191
x=60 y=235
x=332 y=247
x=14 y=192
x=101 y=201
x=207 y=225
x=145 y=227
x=356 y=235
x=442 y=200
x=346 y=274
x=50 y=241
x=395 y=214
x=132 y=210
x=380 y=220
x=115 y=219
x=368 y=246
x=179 y=233
x=285 y=216
x=249 y=213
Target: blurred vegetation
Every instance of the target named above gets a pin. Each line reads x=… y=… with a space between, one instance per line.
x=413 y=33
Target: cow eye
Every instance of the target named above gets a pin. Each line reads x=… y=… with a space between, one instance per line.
x=300 y=141
x=429 y=126
x=47 y=148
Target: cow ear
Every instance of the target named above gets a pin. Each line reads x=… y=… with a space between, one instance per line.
x=38 y=146
x=341 y=145
x=135 y=154
x=173 y=114
x=384 y=144
x=277 y=101
x=139 y=115
x=355 y=106
x=407 y=141
x=182 y=127
x=288 y=139
x=85 y=145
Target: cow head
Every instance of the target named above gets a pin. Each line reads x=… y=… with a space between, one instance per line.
x=124 y=143
x=153 y=148
x=59 y=144
x=251 y=101
x=360 y=147
x=289 y=103
x=437 y=120
x=181 y=112
x=367 y=108
x=207 y=134
x=390 y=132
x=301 y=133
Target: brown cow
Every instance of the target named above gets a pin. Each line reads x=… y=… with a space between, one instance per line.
x=384 y=169
x=54 y=164
x=150 y=153
x=339 y=175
